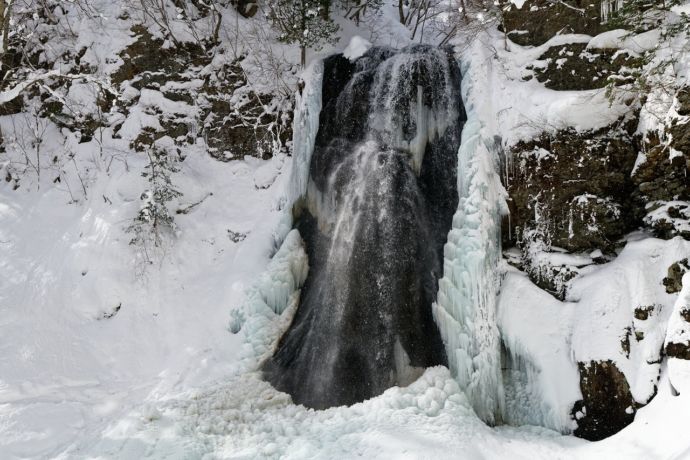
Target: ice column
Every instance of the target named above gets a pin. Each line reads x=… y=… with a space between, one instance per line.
x=305 y=127
x=465 y=310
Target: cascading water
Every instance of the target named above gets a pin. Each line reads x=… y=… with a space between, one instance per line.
x=380 y=198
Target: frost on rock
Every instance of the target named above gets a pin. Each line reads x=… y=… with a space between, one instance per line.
x=465 y=310
x=271 y=301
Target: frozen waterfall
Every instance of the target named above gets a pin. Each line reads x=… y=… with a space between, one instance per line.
x=380 y=195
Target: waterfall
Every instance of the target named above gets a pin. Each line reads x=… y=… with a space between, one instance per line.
x=380 y=197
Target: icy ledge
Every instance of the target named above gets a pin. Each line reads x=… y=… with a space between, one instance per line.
x=465 y=310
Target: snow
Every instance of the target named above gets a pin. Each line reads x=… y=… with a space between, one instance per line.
x=623 y=39
x=543 y=384
x=608 y=40
x=518 y=3
x=356 y=48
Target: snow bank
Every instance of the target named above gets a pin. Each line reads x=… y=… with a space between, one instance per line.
x=542 y=380
x=624 y=39
x=608 y=40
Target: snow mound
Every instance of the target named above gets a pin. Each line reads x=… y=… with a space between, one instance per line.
x=541 y=378
x=608 y=40
x=624 y=39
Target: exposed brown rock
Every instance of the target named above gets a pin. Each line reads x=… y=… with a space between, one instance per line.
x=674 y=280
x=607 y=406
x=539 y=20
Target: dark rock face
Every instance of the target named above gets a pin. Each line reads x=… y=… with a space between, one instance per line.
x=539 y=20
x=579 y=184
x=574 y=67
x=380 y=202
x=663 y=178
x=660 y=177
x=607 y=405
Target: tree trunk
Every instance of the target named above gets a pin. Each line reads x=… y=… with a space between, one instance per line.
x=401 y=12
x=325 y=9
x=303 y=55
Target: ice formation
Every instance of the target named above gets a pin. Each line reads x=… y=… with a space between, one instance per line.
x=305 y=127
x=258 y=318
x=466 y=306
x=275 y=293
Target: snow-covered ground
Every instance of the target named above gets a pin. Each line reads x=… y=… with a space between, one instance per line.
x=103 y=357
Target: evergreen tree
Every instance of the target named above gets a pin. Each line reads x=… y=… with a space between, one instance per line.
x=305 y=22
x=154 y=216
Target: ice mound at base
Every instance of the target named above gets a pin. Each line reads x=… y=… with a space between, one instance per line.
x=275 y=293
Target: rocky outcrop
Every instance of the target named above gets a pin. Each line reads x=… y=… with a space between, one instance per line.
x=662 y=176
x=233 y=119
x=539 y=20
x=574 y=67
x=607 y=405
x=572 y=190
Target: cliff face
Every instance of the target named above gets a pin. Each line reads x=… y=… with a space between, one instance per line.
x=577 y=195
x=537 y=21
